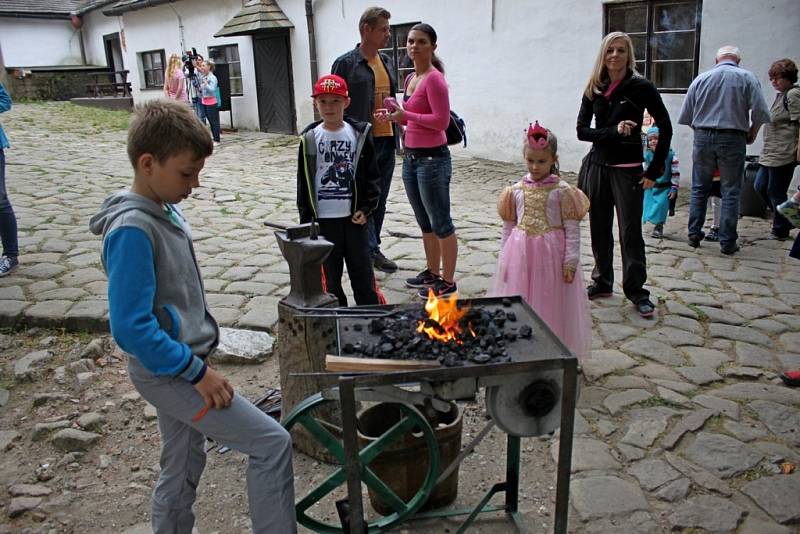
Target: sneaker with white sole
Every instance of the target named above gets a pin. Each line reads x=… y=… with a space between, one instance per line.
x=424 y=279
x=791 y=211
x=440 y=288
x=8 y=265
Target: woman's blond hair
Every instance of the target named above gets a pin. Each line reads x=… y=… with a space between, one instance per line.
x=599 y=78
x=173 y=64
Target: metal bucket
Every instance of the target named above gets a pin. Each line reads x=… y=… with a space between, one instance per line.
x=750 y=202
x=403 y=466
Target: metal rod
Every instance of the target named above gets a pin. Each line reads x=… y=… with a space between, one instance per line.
x=497 y=488
x=568 y=401
x=347 y=399
x=512 y=473
x=468 y=449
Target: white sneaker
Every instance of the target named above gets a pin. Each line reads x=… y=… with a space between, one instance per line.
x=8 y=265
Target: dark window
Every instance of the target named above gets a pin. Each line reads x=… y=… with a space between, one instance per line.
x=229 y=54
x=666 y=38
x=153 y=66
x=403 y=66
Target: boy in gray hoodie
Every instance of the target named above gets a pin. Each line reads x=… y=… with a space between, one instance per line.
x=159 y=317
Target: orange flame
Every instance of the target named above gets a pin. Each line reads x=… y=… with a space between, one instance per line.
x=446 y=314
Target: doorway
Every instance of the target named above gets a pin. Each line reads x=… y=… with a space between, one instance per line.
x=274 y=87
x=111 y=44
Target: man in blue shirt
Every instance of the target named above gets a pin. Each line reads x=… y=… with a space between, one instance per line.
x=725 y=107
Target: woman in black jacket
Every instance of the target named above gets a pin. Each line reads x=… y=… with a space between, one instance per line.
x=616 y=96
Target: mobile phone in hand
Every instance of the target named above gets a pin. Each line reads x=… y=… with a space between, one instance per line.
x=390 y=103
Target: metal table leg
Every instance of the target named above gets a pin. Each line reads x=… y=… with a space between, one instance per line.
x=568 y=401
x=352 y=464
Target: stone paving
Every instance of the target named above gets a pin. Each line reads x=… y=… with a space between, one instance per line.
x=683 y=423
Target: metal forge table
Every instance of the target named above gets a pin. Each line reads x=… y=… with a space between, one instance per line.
x=531 y=395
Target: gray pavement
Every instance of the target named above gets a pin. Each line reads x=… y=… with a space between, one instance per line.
x=683 y=421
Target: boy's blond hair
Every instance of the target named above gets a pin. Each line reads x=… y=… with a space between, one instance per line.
x=166 y=128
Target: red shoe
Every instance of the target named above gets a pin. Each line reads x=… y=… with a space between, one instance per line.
x=791 y=378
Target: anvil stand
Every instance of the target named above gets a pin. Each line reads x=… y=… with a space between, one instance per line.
x=303 y=342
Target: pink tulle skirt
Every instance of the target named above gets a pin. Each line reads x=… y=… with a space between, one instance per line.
x=531 y=266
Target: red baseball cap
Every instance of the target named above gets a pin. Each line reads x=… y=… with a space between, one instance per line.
x=330 y=84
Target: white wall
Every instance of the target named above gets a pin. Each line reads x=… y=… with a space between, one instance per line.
x=158 y=28
x=39 y=42
x=95 y=26
x=534 y=64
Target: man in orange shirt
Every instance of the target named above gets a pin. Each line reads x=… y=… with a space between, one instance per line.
x=371 y=79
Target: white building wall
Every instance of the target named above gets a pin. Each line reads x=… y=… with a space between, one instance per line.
x=158 y=28
x=534 y=63
x=39 y=42
x=95 y=26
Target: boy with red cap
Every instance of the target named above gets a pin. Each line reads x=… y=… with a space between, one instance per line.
x=338 y=187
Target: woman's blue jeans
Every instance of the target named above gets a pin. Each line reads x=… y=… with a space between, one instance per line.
x=427 y=183
x=212 y=114
x=8 y=221
x=771 y=184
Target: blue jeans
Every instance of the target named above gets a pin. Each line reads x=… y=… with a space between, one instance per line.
x=427 y=183
x=8 y=221
x=771 y=184
x=384 y=154
x=723 y=150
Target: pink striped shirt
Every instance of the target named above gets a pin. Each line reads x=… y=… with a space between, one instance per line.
x=427 y=112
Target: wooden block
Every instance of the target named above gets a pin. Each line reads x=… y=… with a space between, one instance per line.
x=347 y=363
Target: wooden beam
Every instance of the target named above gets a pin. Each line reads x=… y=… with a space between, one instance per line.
x=348 y=363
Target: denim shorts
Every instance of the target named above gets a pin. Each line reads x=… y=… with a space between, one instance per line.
x=427 y=182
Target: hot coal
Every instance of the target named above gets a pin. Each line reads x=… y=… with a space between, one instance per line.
x=485 y=334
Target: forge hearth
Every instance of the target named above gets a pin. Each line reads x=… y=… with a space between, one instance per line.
x=492 y=331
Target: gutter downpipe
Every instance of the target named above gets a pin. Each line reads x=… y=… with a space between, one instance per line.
x=312 y=47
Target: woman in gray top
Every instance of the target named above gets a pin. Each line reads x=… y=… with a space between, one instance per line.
x=780 y=153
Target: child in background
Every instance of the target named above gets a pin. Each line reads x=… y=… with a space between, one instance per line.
x=337 y=186
x=540 y=252
x=714 y=206
x=159 y=316
x=657 y=198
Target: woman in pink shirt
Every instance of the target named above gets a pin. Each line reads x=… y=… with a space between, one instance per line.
x=174 y=80
x=426 y=165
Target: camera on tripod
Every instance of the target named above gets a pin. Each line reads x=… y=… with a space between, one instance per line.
x=188 y=58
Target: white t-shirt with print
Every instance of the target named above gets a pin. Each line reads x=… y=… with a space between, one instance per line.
x=336 y=170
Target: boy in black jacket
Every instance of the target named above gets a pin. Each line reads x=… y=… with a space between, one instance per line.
x=337 y=186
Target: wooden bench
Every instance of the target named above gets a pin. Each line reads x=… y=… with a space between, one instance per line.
x=106 y=84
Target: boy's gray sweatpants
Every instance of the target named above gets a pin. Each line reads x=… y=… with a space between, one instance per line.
x=242 y=427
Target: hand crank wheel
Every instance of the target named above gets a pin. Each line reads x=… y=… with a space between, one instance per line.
x=412 y=420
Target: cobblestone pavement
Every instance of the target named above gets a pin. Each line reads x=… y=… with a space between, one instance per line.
x=683 y=421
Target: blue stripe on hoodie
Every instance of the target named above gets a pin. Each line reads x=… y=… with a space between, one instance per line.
x=129 y=261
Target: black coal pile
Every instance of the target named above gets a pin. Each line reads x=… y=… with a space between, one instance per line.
x=484 y=337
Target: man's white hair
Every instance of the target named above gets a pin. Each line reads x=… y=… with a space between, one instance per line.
x=729 y=51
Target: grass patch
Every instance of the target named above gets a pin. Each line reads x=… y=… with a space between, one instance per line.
x=656 y=400
x=701 y=316
x=755 y=473
x=101 y=119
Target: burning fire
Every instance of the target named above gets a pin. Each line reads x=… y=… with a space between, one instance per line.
x=443 y=318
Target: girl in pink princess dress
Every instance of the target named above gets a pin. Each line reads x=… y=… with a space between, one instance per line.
x=540 y=252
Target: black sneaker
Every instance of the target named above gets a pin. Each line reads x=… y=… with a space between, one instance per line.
x=645 y=308
x=694 y=240
x=772 y=236
x=440 y=289
x=382 y=263
x=712 y=235
x=8 y=265
x=596 y=292
x=658 y=232
x=424 y=279
x=730 y=249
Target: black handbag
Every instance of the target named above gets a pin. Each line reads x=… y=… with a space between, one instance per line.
x=457 y=130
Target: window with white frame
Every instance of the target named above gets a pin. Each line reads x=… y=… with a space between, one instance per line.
x=401 y=63
x=153 y=65
x=666 y=38
x=229 y=54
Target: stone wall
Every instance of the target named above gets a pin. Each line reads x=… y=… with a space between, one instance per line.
x=48 y=84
